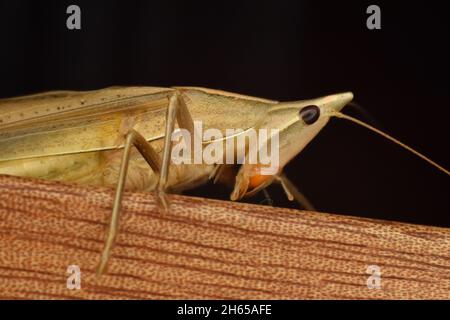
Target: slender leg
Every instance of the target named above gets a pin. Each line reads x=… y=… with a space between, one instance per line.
x=218 y=171
x=184 y=118
x=293 y=193
x=267 y=199
x=178 y=111
x=152 y=158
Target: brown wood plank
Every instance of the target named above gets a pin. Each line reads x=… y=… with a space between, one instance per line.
x=207 y=249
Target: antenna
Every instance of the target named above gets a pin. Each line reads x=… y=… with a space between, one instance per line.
x=385 y=135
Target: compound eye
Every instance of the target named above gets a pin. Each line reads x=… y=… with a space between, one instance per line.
x=310 y=114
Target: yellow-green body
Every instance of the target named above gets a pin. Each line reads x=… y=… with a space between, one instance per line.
x=78 y=136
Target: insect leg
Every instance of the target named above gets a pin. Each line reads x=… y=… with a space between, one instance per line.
x=267 y=199
x=184 y=117
x=293 y=193
x=178 y=111
x=152 y=158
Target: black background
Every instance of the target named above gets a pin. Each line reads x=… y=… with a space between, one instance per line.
x=167 y=309
x=283 y=50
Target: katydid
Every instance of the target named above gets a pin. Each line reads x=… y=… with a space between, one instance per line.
x=88 y=138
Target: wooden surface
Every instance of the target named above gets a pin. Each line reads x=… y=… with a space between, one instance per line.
x=207 y=249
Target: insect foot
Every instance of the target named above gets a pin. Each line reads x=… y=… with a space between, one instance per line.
x=162 y=201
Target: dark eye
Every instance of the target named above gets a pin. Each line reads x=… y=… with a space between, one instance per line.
x=310 y=114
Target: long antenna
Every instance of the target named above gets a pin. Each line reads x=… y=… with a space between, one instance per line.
x=385 y=135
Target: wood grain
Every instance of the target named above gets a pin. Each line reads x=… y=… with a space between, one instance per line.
x=207 y=249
